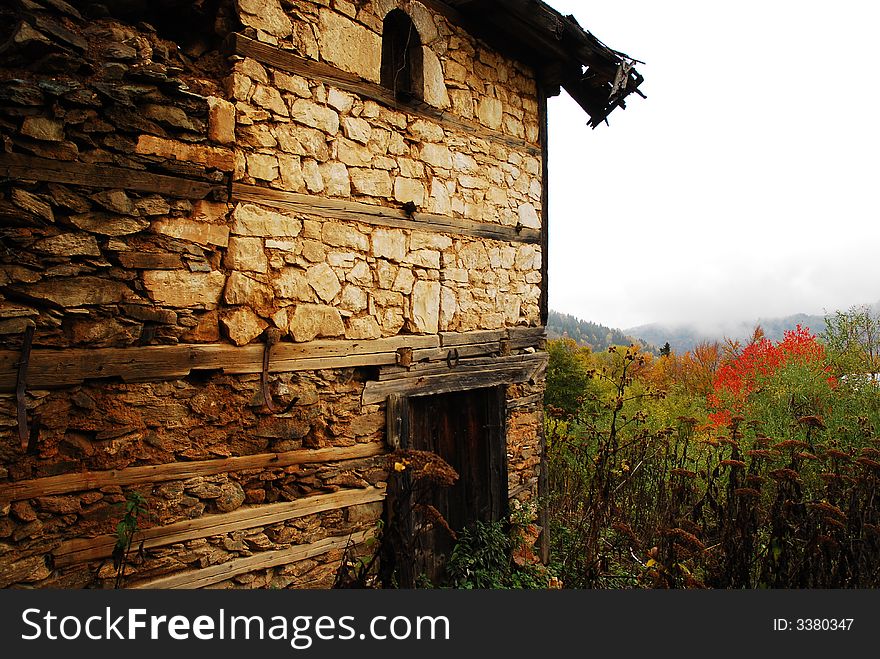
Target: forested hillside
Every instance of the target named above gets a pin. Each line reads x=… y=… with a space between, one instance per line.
x=584 y=333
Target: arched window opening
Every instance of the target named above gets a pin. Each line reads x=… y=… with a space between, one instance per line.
x=401 y=57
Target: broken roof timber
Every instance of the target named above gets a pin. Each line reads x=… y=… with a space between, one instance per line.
x=564 y=54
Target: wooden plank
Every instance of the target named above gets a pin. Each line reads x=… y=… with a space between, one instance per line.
x=442 y=366
x=263 y=560
x=19 y=166
x=93 y=480
x=520 y=332
x=480 y=336
x=288 y=61
x=397 y=421
x=52 y=368
x=80 y=550
x=375 y=215
x=527 y=367
x=543 y=127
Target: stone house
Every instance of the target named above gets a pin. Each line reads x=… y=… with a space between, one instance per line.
x=251 y=246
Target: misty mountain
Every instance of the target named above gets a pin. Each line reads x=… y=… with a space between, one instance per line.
x=683 y=338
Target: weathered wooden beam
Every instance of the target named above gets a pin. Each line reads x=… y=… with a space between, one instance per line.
x=80 y=550
x=263 y=560
x=479 y=336
x=52 y=368
x=380 y=215
x=21 y=167
x=396 y=421
x=501 y=370
x=525 y=401
x=288 y=61
x=92 y=480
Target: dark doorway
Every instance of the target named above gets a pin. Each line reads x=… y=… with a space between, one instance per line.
x=467 y=430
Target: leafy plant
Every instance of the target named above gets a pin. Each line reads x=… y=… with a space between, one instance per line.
x=135 y=507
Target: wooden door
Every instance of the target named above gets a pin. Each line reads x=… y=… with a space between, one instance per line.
x=467 y=430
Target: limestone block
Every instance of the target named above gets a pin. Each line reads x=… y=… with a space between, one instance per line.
x=456 y=71
x=348 y=45
x=300 y=140
x=528 y=258
x=437 y=155
x=263 y=166
x=221 y=120
x=179 y=288
x=357 y=129
x=291 y=283
x=313 y=115
x=353 y=298
x=386 y=273
x=426 y=131
x=425 y=307
x=371 y=182
x=336 y=180
x=410 y=168
x=473 y=182
x=391 y=320
x=313 y=251
x=340 y=100
x=269 y=99
x=404 y=281
x=424 y=240
x=251 y=220
x=462 y=102
x=246 y=253
x=424 y=258
x=209 y=156
x=397 y=146
x=448 y=307
x=324 y=281
x=465 y=163
x=439 y=201
x=312 y=176
x=310 y=321
x=266 y=16
x=242 y=289
x=490 y=112
x=290 y=169
x=528 y=216
x=409 y=189
x=338 y=234
x=364 y=327
x=435 y=92
x=294 y=84
x=360 y=274
x=242 y=325
x=353 y=154
x=192 y=230
x=389 y=244
x=510 y=306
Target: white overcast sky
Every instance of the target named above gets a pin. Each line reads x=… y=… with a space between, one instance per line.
x=744 y=186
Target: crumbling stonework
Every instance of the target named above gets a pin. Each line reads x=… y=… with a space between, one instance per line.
x=124 y=233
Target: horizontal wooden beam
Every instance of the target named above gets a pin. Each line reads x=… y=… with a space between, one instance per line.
x=464 y=376
x=81 y=481
x=80 y=550
x=32 y=168
x=53 y=368
x=261 y=561
x=380 y=215
x=313 y=70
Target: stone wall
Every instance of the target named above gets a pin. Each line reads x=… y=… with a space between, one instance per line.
x=120 y=230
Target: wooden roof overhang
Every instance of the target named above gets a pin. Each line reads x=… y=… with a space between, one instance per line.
x=564 y=55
